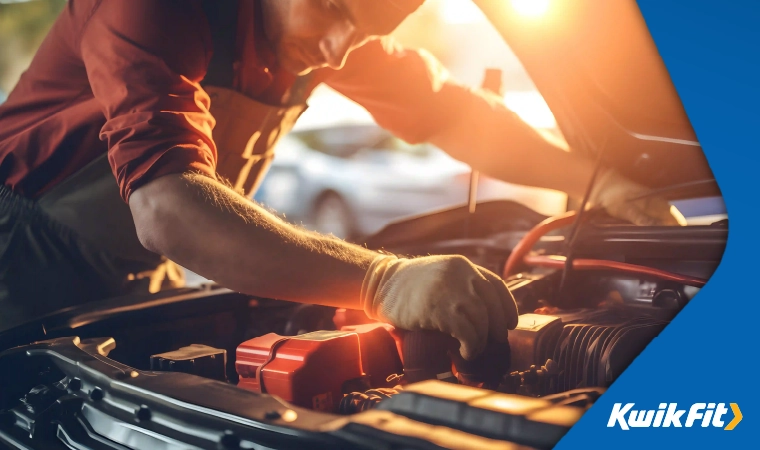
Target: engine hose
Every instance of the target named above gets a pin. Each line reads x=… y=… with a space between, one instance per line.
x=558 y=262
x=357 y=402
x=520 y=255
x=529 y=240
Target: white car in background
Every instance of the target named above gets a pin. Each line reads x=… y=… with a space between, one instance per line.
x=352 y=180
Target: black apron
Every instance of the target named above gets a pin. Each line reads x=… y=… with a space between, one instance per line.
x=77 y=243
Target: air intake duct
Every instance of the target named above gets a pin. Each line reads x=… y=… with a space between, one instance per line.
x=583 y=349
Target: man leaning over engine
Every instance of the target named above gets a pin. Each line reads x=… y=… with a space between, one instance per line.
x=132 y=89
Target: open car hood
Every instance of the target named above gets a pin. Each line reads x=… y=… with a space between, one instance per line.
x=597 y=67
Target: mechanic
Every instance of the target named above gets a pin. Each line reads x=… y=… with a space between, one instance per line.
x=107 y=159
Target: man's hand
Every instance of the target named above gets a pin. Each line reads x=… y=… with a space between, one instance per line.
x=445 y=293
x=616 y=194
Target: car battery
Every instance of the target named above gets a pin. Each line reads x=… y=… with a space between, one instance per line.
x=314 y=370
x=307 y=370
x=379 y=351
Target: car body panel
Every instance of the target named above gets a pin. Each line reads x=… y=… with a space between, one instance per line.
x=607 y=86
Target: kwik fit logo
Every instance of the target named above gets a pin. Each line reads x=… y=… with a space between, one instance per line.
x=668 y=415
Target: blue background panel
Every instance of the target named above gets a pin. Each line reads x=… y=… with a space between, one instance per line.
x=710 y=351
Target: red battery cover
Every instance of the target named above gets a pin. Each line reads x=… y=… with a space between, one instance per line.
x=379 y=352
x=307 y=370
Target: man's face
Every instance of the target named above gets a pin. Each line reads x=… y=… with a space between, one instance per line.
x=310 y=34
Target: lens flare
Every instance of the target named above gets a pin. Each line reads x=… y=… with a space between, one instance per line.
x=531 y=107
x=531 y=8
x=461 y=12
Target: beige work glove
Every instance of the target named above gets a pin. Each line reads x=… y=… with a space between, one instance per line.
x=612 y=191
x=444 y=293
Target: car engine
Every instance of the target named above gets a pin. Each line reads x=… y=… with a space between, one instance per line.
x=355 y=368
x=577 y=332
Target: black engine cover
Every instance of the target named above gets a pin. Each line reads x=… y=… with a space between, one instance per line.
x=586 y=348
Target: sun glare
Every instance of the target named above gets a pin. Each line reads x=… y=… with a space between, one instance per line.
x=531 y=107
x=531 y=8
x=460 y=11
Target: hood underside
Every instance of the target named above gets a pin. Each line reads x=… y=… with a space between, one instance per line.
x=597 y=67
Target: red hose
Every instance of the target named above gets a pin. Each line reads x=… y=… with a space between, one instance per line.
x=529 y=240
x=558 y=262
x=520 y=255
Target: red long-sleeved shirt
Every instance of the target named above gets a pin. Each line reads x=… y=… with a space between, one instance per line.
x=123 y=76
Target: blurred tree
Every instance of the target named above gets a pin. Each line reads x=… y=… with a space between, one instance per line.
x=23 y=26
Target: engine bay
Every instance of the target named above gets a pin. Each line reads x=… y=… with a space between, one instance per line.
x=577 y=332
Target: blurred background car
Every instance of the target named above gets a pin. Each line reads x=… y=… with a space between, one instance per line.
x=351 y=180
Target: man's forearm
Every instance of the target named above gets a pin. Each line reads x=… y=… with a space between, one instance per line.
x=225 y=237
x=494 y=140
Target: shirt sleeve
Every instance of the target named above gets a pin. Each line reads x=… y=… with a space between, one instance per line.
x=408 y=92
x=144 y=61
